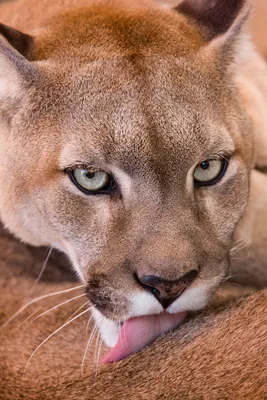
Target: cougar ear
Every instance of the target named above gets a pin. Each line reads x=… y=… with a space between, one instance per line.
x=20 y=41
x=217 y=17
x=16 y=72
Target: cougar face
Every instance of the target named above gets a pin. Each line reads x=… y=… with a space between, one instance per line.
x=124 y=143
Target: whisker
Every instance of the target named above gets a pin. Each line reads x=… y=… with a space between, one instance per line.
x=96 y=344
x=222 y=294
x=80 y=308
x=45 y=296
x=99 y=351
x=240 y=246
x=236 y=284
x=88 y=324
x=43 y=267
x=87 y=347
x=26 y=320
x=96 y=351
x=233 y=276
x=53 y=308
x=51 y=335
x=240 y=240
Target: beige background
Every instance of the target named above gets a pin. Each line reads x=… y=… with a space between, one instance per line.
x=259 y=25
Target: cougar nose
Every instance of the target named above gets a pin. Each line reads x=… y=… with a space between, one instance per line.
x=167 y=291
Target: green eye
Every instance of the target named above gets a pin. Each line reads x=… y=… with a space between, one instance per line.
x=210 y=172
x=91 y=181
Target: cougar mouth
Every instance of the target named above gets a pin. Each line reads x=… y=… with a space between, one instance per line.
x=138 y=332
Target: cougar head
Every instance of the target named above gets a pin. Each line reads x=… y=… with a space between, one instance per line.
x=125 y=144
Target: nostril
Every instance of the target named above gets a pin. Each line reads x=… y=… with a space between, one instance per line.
x=189 y=277
x=153 y=290
x=145 y=281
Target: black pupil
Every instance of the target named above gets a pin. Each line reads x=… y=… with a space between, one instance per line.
x=205 y=165
x=90 y=175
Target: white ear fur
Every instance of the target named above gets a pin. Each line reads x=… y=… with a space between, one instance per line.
x=10 y=85
x=15 y=50
x=15 y=72
x=232 y=52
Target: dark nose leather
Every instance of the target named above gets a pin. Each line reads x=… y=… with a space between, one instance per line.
x=167 y=291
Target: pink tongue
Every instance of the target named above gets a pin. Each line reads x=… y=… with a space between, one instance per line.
x=136 y=333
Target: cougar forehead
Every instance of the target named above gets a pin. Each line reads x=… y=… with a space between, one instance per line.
x=117 y=29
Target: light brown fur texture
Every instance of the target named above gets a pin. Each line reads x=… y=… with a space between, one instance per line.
x=218 y=354
x=145 y=93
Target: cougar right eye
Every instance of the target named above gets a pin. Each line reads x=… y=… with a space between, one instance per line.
x=91 y=181
x=210 y=171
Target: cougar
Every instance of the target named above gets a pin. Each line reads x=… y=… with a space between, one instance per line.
x=133 y=139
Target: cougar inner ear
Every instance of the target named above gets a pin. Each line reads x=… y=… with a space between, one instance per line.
x=217 y=16
x=22 y=42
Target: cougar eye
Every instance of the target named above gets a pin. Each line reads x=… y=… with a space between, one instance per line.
x=210 y=172
x=91 y=181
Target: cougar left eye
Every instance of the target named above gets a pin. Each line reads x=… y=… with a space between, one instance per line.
x=210 y=172
x=90 y=181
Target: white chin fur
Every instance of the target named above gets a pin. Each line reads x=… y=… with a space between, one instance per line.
x=144 y=303
x=194 y=298
x=110 y=330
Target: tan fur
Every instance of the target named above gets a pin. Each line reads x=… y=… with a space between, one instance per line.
x=218 y=354
x=146 y=93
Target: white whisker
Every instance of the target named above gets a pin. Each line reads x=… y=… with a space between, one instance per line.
x=51 y=335
x=43 y=268
x=45 y=296
x=96 y=344
x=53 y=308
x=236 y=284
x=87 y=347
x=239 y=245
x=26 y=320
x=233 y=276
x=80 y=308
x=99 y=351
x=88 y=324
x=96 y=350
